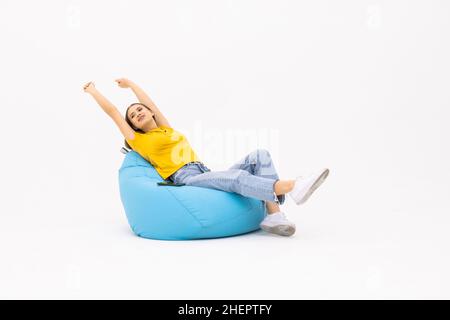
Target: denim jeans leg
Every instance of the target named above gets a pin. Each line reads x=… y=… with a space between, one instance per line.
x=183 y=172
x=233 y=180
x=259 y=163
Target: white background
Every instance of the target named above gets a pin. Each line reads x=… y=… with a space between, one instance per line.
x=360 y=87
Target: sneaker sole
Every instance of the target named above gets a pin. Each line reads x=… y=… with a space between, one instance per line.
x=315 y=185
x=282 y=230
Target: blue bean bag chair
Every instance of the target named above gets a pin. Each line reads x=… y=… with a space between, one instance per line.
x=182 y=212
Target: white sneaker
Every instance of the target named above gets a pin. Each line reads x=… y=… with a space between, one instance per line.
x=305 y=186
x=278 y=224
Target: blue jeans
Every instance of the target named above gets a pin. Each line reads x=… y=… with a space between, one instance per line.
x=253 y=176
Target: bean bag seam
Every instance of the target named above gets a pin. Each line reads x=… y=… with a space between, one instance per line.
x=181 y=202
x=238 y=216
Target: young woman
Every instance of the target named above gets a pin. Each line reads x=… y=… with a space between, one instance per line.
x=148 y=132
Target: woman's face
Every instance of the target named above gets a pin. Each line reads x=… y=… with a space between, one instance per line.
x=139 y=116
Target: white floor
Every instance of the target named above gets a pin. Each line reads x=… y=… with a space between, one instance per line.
x=348 y=252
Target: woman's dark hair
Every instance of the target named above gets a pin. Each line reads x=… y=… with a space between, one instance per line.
x=131 y=124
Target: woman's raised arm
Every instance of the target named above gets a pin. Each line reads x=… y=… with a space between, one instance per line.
x=106 y=105
x=110 y=110
x=145 y=99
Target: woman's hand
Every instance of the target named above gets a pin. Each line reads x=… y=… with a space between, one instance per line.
x=89 y=87
x=124 y=82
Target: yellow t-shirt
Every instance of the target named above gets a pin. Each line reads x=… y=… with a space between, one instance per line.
x=165 y=148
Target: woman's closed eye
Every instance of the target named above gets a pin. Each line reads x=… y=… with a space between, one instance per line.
x=132 y=115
